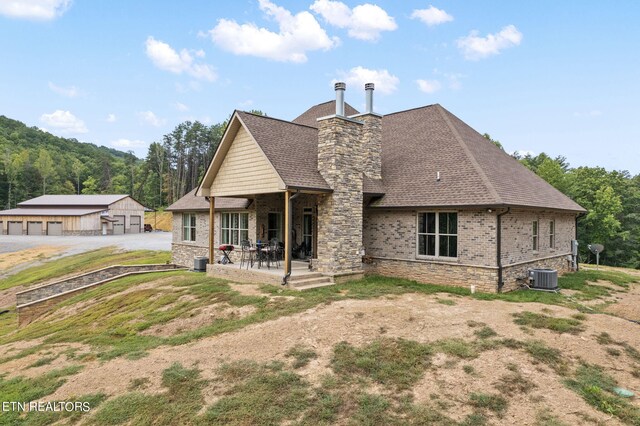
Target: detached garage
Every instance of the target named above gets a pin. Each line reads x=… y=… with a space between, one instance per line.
x=74 y=215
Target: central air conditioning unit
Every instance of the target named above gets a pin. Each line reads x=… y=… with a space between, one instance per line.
x=200 y=264
x=544 y=279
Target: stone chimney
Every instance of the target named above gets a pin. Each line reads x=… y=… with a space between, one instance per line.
x=371 y=136
x=340 y=212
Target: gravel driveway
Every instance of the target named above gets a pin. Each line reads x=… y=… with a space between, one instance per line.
x=74 y=245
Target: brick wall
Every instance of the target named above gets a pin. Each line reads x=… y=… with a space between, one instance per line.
x=517 y=235
x=392 y=234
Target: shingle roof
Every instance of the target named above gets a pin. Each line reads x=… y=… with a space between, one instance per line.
x=73 y=200
x=310 y=116
x=419 y=143
x=49 y=212
x=291 y=148
x=190 y=202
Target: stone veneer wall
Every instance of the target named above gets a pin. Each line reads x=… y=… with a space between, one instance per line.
x=372 y=144
x=340 y=162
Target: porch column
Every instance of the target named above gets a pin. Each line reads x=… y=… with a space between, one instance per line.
x=212 y=209
x=287 y=232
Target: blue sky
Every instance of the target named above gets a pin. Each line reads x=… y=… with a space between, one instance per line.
x=559 y=77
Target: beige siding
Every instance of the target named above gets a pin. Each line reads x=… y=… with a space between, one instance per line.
x=245 y=170
x=126 y=207
x=69 y=223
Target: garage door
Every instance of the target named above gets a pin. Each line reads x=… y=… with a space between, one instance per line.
x=118 y=225
x=15 y=228
x=134 y=224
x=34 y=228
x=54 y=228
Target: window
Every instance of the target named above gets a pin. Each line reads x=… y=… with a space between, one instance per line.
x=438 y=234
x=536 y=233
x=274 y=226
x=552 y=234
x=235 y=228
x=188 y=227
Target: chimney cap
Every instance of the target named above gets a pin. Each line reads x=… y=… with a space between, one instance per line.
x=340 y=85
x=369 y=86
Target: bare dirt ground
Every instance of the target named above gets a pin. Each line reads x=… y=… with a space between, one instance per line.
x=411 y=316
x=11 y=259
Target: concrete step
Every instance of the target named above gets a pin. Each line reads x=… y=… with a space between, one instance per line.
x=296 y=278
x=307 y=284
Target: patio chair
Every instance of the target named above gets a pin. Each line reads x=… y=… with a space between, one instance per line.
x=274 y=252
x=248 y=253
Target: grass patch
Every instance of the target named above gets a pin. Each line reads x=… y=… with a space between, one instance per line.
x=81 y=263
x=447 y=302
x=456 y=347
x=596 y=388
x=395 y=363
x=469 y=369
x=301 y=355
x=492 y=402
x=265 y=396
x=546 y=417
x=514 y=382
x=485 y=332
x=177 y=405
x=605 y=339
x=43 y=361
x=558 y=325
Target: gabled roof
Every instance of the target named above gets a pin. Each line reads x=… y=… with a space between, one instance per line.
x=419 y=143
x=73 y=200
x=310 y=116
x=291 y=148
x=72 y=211
x=191 y=202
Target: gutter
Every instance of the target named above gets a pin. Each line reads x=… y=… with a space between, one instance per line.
x=499 y=247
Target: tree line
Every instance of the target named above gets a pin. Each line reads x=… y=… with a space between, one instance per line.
x=612 y=201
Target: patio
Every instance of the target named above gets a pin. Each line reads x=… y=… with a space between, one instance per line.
x=301 y=276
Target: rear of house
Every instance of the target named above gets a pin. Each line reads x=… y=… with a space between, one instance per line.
x=74 y=215
x=416 y=194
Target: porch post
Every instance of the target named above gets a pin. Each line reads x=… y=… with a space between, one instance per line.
x=287 y=232
x=211 y=228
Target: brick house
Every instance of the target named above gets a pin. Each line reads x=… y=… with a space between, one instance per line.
x=421 y=193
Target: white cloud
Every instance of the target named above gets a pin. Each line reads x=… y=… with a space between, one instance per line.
x=128 y=144
x=357 y=77
x=64 y=121
x=111 y=118
x=166 y=58
x=181 y=107
x=364 y=22
x=297 y=34
x=150 y=118
x=474 y=47
x=428 y=86
x=70 y=92
x=432 y=16
x=39 y=10
x=246 y=103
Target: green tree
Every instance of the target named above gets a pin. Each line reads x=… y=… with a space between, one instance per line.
x=90 y=186
x=13 y=164
x=495 y=142
x=45 y=167
x=78 y=169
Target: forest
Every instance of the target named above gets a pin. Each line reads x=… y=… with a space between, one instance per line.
x=34 y=162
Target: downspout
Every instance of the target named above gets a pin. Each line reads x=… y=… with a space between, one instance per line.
x=499 y=247
x=578 y=216
x=285 y=278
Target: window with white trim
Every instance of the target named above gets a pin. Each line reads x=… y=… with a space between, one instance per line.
x=535 y=231
x=188 y=226
x=274 y=226
x=234 y=228
x=438 y=234
x=552 y=234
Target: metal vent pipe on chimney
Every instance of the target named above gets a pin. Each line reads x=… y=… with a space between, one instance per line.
x=368 y=88
x=340 y=88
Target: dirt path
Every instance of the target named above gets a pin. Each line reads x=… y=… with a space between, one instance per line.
x=410 y=316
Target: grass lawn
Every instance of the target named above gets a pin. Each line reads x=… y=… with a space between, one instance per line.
x=370 y=383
